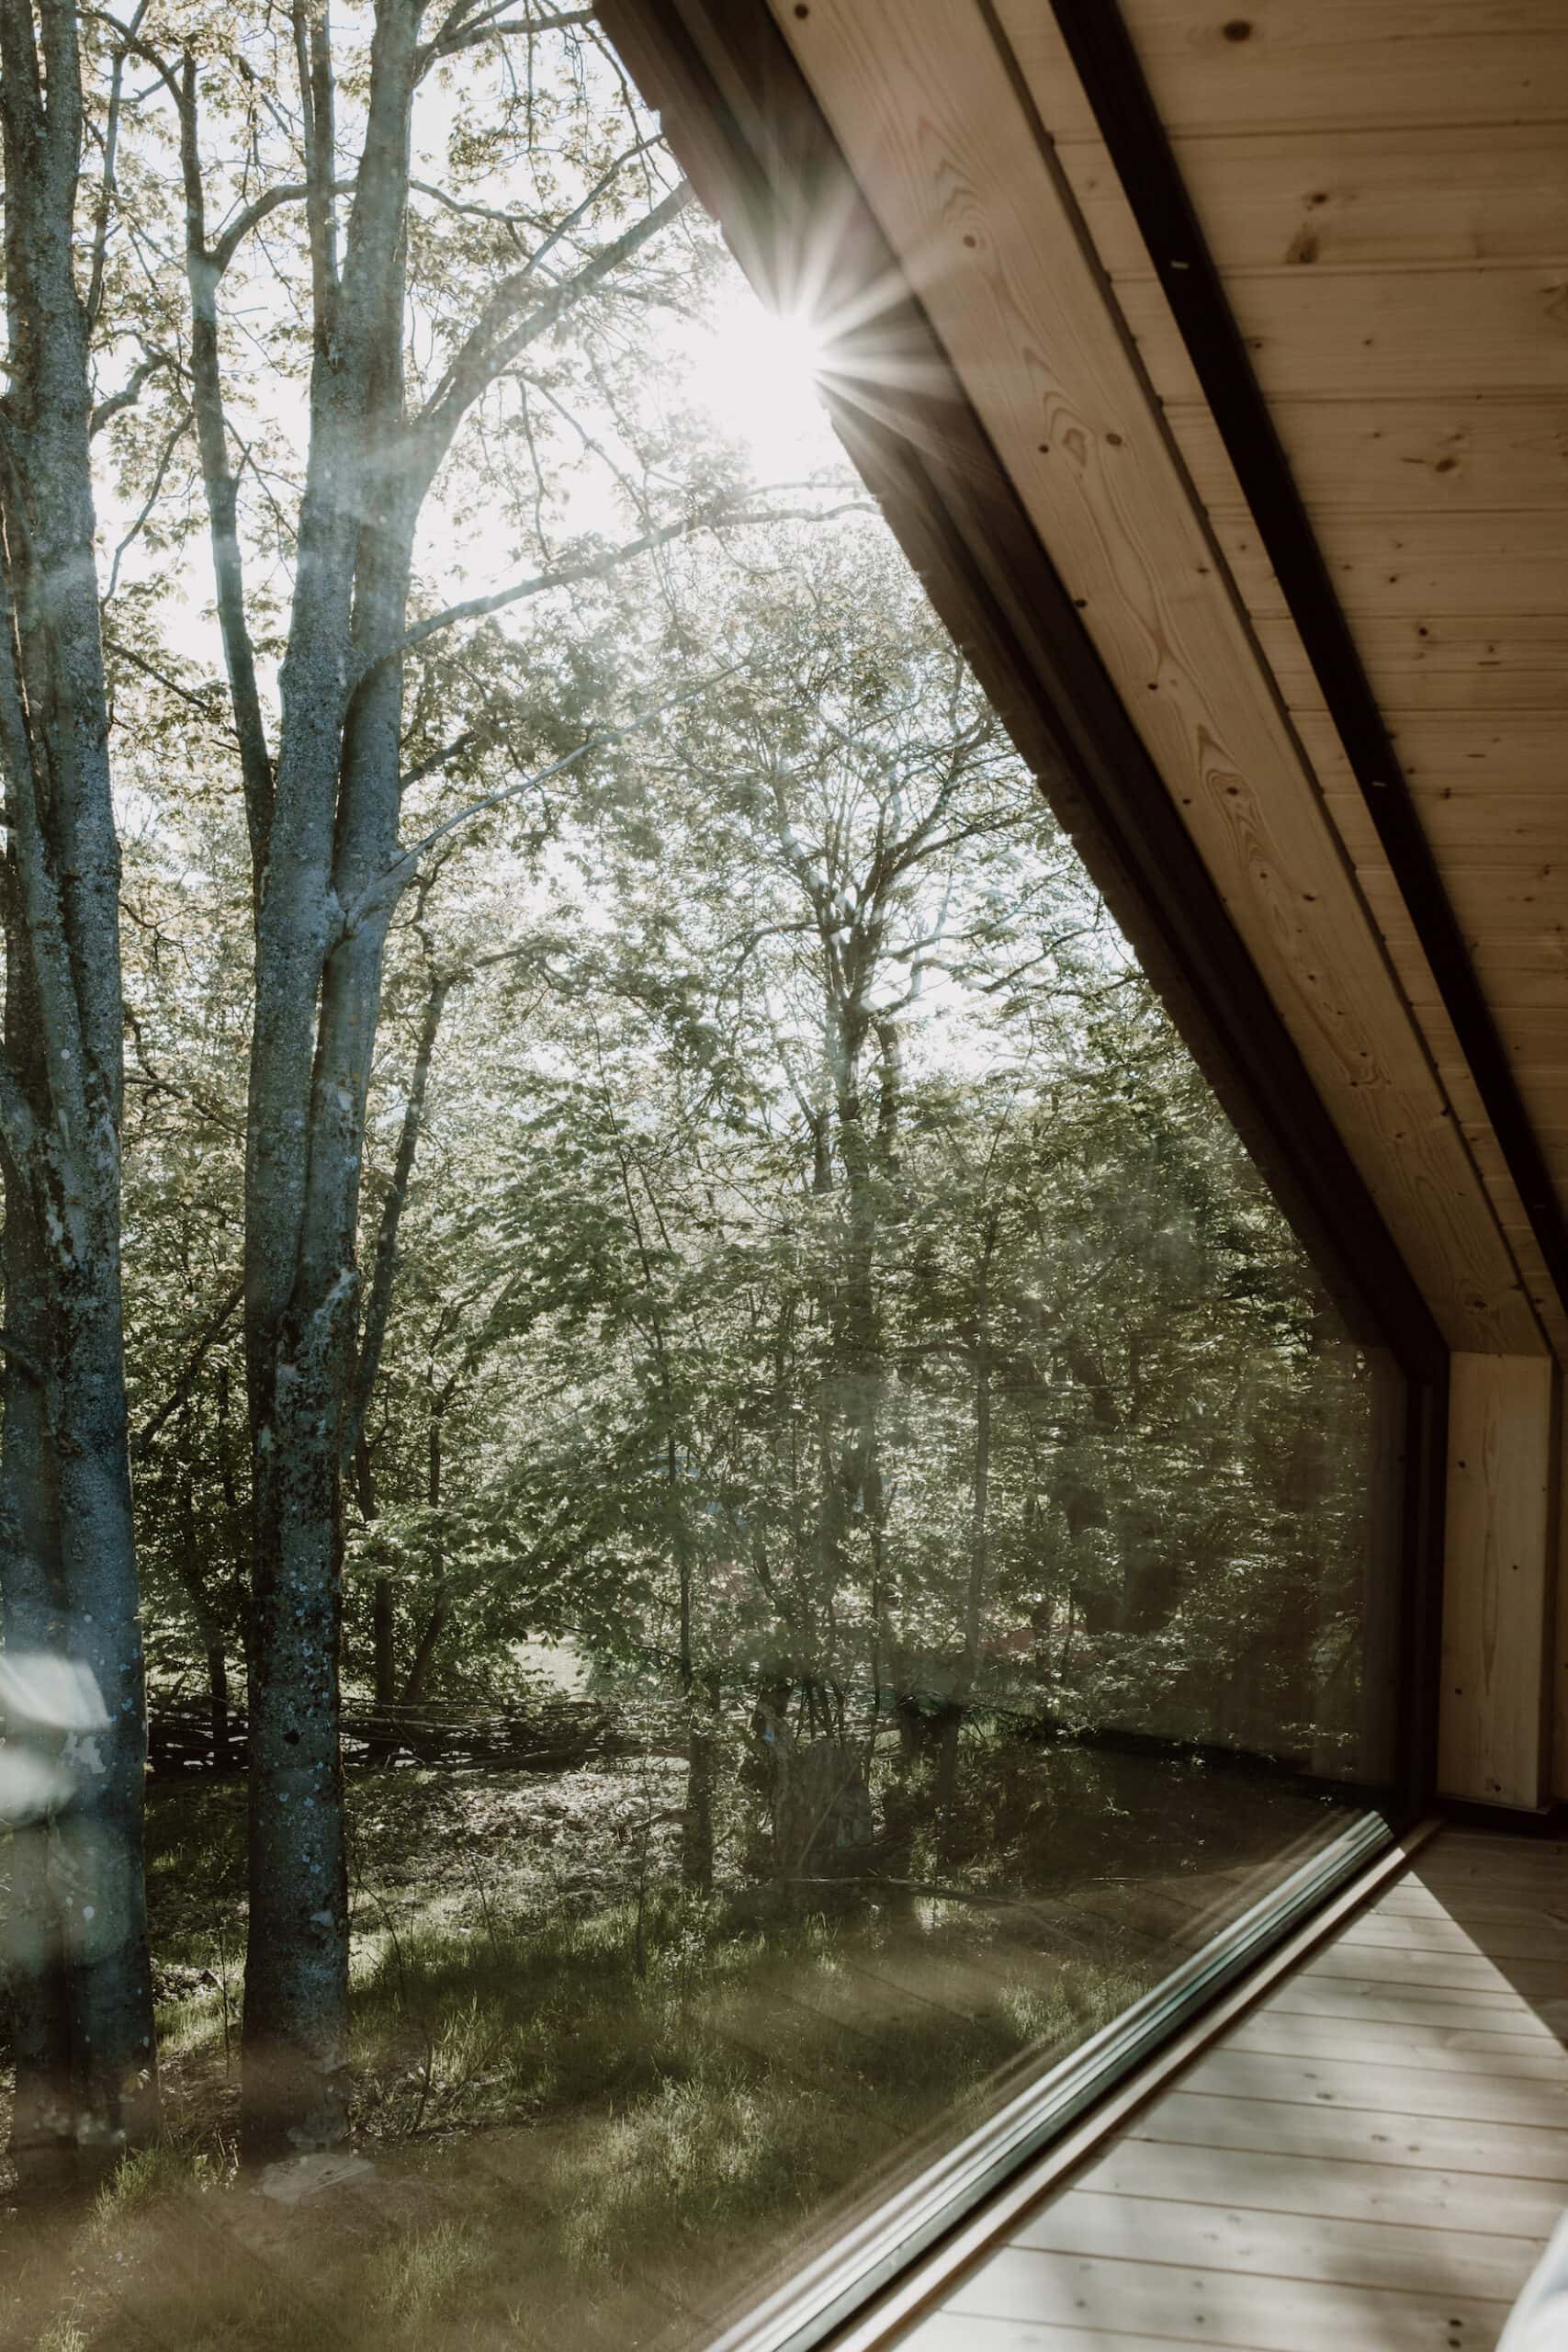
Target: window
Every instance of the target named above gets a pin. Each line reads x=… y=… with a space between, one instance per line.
x=867 y=1542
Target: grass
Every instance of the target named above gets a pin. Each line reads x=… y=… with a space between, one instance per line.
x=576 y=2143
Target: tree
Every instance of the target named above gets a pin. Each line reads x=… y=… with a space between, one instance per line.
x=327 y=785
x=77 y=1925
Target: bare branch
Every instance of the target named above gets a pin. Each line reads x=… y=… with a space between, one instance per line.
x=497 y=339
x=239 y=229
x=495 y=26
x=203 y=272
x=438 y=760
x=385 y=889
x=107 y=189
x=599 y=567
x=130 y=392
x=211 y=1331
x=312 y=49
x=177 y=435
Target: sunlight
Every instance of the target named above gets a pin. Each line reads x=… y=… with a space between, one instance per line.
x=759 y=371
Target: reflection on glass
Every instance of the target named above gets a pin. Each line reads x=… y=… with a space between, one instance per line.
x=869 y=1543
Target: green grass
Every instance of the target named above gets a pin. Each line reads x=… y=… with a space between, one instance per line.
x=571 y=2151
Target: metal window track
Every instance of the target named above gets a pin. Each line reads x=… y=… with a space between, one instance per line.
x=869 y=2283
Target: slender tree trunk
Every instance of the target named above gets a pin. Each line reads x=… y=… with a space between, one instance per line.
x=60 y=1091
x=209 y=1625
x=334 y=837
x=979 y=1545
x=435 y=1622
x=698 y=1840
x=43 y=2123
x=699 y=1696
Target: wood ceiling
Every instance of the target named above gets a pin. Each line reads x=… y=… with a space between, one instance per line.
x=1385 y=191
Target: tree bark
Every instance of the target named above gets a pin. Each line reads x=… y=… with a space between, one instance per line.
x=32 y=1616
x=209 y=1622
x=61 y=1095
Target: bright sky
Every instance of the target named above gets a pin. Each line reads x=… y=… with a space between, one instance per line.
x=756 y=371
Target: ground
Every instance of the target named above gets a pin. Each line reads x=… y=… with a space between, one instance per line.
x=595 y=2111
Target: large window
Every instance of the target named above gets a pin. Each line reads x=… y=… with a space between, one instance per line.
x=866 y=1542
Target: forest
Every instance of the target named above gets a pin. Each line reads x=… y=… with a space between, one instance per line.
x=670 y=1499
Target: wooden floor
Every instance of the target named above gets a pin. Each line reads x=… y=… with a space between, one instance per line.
x=1370 y=2158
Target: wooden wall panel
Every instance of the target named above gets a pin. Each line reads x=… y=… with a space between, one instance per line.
x=1500 y=1580
x=1330 y=199
x=1409 y=456
x=1424 y=565
x=1360 y=335
x=991 y=244
x=1293 y=65
x=1466 y=664
x=1523 y=751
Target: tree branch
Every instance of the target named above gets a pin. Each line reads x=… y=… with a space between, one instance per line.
x=128 y=394
x=147 y=1436
x=599 y=567
x=107 y=189
x=203 y=272
x=496 y=342
x=454 y=36
x=312 y=52
x=387 y=886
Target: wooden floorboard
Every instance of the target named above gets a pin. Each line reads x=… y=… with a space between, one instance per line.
x=1371 y=2157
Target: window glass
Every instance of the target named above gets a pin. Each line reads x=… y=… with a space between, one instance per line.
x=869 y=1542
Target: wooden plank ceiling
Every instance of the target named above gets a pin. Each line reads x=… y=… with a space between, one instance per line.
x=1385 y=192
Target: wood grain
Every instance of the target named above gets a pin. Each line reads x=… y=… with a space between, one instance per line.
x=1328 y=2189
x=1405 y=2042
x=1410 y=457
x=1468 y=822
x=1355 y=335
x=1380 y=2090
x=1425 y=566
x=1185 y=2305
x=1320 y=62
x=1499 y=1579
x=1517 y=752
x=1282 y=2246
x=1329 y=198
x=1468 y=663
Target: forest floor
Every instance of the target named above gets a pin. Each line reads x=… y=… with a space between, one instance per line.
x=574 y=2136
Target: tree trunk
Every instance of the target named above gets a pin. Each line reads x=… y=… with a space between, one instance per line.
x=435 y=1622
x=61 y=1094
x=979 y=1551
x=32 y=1607
x=334 y=837
x=208 y=1625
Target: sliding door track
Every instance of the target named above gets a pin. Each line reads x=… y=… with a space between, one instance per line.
x=895 y=2260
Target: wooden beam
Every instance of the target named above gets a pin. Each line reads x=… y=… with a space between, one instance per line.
x=1500 y=1580
x=740 y=114
x=941 y=139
